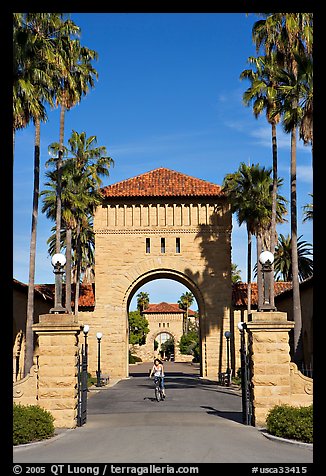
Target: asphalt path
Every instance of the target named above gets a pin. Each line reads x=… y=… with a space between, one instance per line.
x=198 y=422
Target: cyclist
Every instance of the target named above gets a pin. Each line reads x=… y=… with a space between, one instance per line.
x=158 y=371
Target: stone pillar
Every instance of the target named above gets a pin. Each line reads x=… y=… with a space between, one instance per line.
x=58 y=375
x=270 y=356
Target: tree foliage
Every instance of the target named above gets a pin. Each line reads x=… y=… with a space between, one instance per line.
x=138 y=328
x=189 y=343
x=142 y=301
x=283 y=259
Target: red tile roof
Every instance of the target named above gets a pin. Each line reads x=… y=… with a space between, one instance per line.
x=164 y=307
x=162 y=182
x=86 y=294
x=240 y=292
x=40 y=291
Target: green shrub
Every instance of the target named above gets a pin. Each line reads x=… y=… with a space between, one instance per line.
x=90 y=380
x=294 y=423
x=133 y=359
x=31 y=423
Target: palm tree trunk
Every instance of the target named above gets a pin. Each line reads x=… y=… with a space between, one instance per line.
x=30 y=297
x=273 y=220
x=78 y=265
x=294 y=253
x=13 y=145
x=68 y=269
x=259 y=272
x=59 y=172
x=249 y=273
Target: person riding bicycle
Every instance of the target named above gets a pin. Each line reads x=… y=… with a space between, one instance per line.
x=158 y=371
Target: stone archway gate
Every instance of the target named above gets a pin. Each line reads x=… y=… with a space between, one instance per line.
x=161 y=224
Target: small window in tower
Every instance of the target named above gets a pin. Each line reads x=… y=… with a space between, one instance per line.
x=162 y=245
x=148 y=245
x=177 y=245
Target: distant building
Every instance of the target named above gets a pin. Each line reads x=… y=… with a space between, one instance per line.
x=165 y=322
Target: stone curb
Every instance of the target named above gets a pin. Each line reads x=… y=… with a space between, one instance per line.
x=285 y=440
x=62 y=432
x=94 y=389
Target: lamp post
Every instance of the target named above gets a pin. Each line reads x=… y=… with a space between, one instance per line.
x=99 y=337
x=266 y=259
x=86 y=330
x=244 y=380
x=58 y=261
x=227 y=335
x=85 y=360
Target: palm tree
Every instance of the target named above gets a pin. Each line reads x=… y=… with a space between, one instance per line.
x=142 y=301
x=249 y=193
x=306 y=79
x=263 y=94
x=290 y=35
x=293 y=114
x=34 y=68
x=73 y=197
x=185 y=302
x=308 y=211
x=82 y=173
x=235 y=274
x=78 y=76
x=28 y=71
x=241 y=189
x=283 y=259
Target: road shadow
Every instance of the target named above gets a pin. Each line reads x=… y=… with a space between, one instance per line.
x=235 y=416
x=168 y=375
x=177 y=383
x=173 y=369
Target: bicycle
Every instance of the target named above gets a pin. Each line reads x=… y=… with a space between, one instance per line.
x=159 y=395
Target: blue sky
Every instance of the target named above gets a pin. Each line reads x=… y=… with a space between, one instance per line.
x=168 y=95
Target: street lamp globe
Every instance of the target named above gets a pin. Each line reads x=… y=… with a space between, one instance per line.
x=266 y=258
x=86 y=329
x=58 y=259
x=99 y=335
x=227 y=334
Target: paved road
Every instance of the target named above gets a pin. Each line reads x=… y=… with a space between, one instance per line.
x=199 y=422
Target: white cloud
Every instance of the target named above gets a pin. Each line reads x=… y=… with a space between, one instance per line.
x=305 y=173
x=264 y=136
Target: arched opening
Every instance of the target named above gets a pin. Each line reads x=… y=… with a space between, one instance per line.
x=166 y=328
x=164 y=345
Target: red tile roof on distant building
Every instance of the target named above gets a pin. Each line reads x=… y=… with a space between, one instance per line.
x=162 y=182
x=165 y=307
